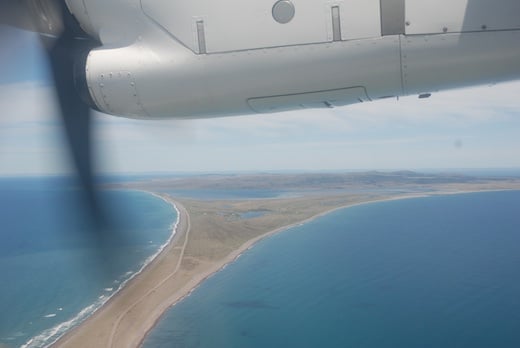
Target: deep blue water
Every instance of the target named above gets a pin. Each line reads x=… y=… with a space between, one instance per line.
x=53 y=267
x=431 y=272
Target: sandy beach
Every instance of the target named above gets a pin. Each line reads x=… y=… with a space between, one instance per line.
x=205 y=241
x=209 y=235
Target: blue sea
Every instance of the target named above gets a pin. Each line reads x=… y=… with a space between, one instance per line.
x=54 y=271
x=440 y=271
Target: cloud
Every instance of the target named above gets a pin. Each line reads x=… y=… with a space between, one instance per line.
x=459 y=108
x=465 y=106
x=26 y=103
x=408 y=133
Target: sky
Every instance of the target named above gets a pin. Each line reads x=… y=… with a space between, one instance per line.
x=469 y=128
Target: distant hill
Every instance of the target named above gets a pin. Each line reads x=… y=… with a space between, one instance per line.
x=312 y=181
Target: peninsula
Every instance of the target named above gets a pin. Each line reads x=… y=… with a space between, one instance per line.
x=212 y=233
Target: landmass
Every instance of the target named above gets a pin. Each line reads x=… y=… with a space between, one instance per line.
x=212 y=233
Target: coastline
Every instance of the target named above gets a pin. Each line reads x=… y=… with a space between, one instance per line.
x=174 y=231
x=132 y=312
x=52 y=335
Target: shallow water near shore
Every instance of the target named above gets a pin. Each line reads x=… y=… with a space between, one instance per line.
x=427 y=272
x=54 y=271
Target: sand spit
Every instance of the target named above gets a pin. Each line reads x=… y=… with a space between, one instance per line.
x=210 y=235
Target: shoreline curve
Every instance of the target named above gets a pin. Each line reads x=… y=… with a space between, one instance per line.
x=125 y=332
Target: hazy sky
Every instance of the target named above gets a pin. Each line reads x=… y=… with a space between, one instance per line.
x=472 y=128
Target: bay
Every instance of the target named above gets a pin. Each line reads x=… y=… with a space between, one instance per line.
x=429 y=272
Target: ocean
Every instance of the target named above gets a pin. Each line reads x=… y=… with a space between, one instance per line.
x=54 y=271
x=438 y=271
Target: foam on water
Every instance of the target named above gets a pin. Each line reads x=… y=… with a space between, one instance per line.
x=52 y=335
x=54 y=277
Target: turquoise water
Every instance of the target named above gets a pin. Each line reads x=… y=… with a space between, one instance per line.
x=429 y=272
x=54 y=271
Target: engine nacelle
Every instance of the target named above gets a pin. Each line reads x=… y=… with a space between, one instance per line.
x=142 y=81
x=190 y=59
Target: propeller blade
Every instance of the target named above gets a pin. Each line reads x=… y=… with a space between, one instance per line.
x=65 y=44
x=15 y=14
x=76 y=117
x=41 y=16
